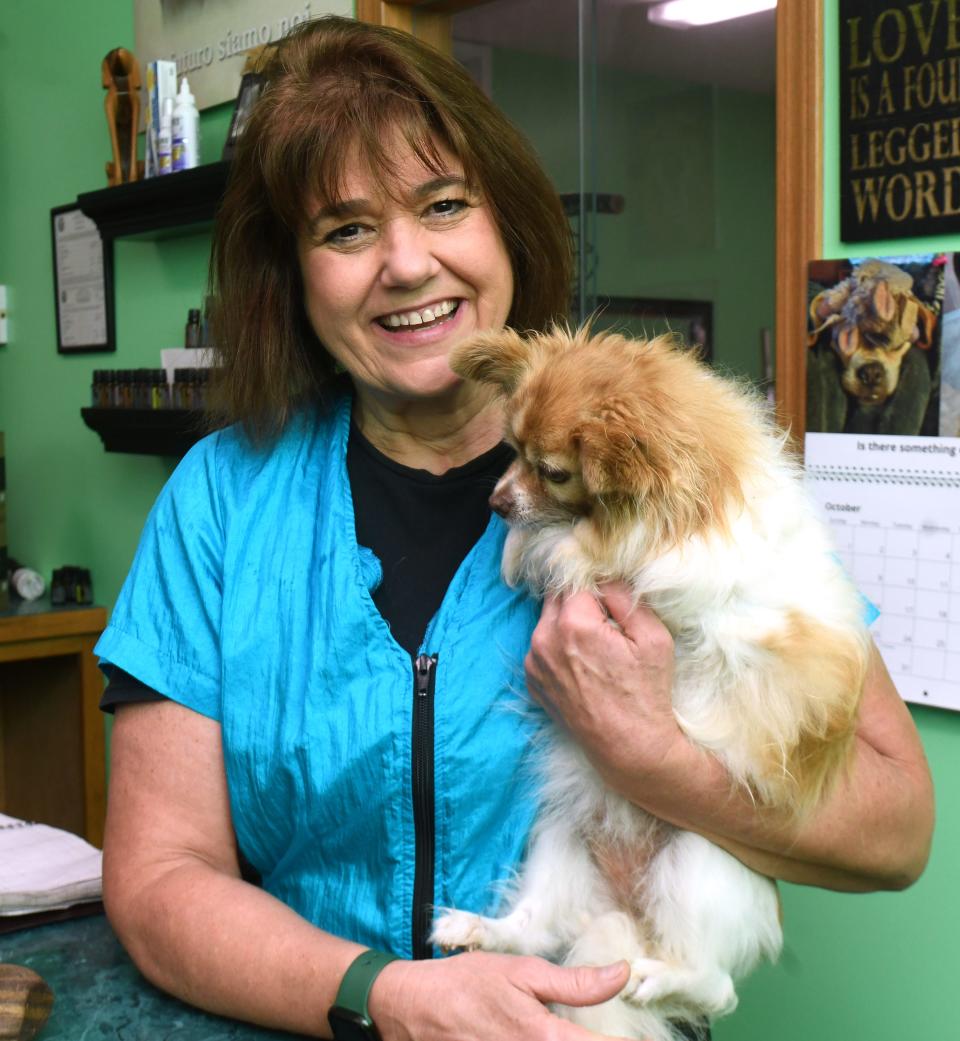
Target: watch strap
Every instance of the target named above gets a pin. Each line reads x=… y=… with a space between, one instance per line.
x=358 y=979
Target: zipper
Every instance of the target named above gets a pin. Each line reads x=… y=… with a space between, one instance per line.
x=424 y=824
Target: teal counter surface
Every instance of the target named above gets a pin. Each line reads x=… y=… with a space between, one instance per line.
x=99 y=994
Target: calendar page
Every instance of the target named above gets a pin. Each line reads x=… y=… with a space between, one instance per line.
x=893 y=505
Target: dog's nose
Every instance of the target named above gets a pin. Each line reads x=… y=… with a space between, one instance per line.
x=871 y=374
x=500 y=502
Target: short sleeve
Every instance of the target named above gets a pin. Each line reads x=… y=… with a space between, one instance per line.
x=165 y=627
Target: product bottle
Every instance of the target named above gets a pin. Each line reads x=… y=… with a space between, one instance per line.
x=186 y=130
x=192 y=333
x=165 y=138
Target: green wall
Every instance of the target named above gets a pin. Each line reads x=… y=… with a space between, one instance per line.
x=68 y=502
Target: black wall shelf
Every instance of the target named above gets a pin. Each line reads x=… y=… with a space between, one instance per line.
x=158 y=206
x=144 y=431
x=155 y=208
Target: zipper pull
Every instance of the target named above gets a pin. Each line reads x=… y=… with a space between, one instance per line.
x=424 y=666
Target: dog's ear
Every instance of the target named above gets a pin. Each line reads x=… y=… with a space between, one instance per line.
x=884 y=302
x=918 y=323
x=847 y=341
x=498 y=358
x=612 y=457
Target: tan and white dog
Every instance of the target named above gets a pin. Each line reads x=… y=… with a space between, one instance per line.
x=637 y=462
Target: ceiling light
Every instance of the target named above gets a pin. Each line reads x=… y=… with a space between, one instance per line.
x=682 y=14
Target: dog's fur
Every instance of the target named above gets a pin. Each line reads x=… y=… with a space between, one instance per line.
x=637 y=462
x=873 y=318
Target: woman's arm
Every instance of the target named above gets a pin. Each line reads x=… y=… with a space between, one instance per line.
x=611 y=687
x=174 y=895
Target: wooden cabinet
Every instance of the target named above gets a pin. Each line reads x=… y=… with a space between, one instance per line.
x=52 y=754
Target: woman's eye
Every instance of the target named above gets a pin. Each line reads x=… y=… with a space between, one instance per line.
x=345 y=235
x=553 y=474
x=447 y=207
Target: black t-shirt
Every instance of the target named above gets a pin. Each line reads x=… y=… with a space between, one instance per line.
x=419 y=525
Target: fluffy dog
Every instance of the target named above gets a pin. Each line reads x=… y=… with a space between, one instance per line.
x=636 y=462
x=873 y=318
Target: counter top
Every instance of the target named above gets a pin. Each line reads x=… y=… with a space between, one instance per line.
x=99 y=993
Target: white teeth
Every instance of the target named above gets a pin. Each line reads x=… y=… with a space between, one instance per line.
x=427 y=314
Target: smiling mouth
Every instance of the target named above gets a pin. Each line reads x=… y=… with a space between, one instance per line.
x=424 y=316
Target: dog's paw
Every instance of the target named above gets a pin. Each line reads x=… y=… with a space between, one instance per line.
x=647 y=979
x=460 y=930
x=708 y=993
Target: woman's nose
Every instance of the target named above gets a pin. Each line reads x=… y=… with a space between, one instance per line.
x=408 y=259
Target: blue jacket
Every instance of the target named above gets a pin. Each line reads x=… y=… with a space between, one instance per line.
x=249 y=602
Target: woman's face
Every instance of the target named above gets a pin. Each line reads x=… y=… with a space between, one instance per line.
x=393 y=280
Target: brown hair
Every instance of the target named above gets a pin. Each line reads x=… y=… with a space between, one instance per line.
x=334 y=84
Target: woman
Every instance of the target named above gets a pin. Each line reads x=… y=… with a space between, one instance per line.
x=320 y=663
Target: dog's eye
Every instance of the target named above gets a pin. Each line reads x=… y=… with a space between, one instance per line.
x=553 y=474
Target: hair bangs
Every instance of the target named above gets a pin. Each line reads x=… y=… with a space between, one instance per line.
x=349 y=129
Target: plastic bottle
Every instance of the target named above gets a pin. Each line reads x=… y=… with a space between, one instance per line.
x=193 y=331
x=165 y=138
x=186 y=130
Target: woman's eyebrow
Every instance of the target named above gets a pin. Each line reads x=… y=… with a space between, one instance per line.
x=438 y=184
x=340 y=211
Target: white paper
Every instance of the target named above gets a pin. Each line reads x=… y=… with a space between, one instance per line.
x=44 y=868
x=81 y=291
x=893 y=505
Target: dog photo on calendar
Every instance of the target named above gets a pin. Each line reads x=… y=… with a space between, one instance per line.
x=874 y=333
x=637 y=462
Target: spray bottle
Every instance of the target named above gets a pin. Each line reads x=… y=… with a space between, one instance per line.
x=186 y=130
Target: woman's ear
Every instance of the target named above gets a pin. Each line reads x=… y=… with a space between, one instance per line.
x=498 y=358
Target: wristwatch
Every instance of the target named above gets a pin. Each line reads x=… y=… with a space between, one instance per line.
x=348 y=1016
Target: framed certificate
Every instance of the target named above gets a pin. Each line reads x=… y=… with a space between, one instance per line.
x=83 y=283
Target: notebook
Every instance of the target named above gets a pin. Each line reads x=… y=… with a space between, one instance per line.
x=44 y=868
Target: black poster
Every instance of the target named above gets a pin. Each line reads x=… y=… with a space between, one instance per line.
x=899 y=118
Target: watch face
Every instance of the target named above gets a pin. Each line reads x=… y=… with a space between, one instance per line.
x=348 y=1025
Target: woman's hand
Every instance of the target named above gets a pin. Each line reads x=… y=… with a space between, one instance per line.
x=603 y=668
x=479 y=996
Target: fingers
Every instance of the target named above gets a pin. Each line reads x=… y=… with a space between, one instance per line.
x=614 y=602
x=620 y=602
x=579 y=985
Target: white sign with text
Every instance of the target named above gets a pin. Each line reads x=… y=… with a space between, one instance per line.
x=209 y=39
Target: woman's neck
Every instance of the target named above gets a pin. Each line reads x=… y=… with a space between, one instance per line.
x=429 y=435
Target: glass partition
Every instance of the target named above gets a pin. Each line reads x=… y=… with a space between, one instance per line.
x=662 y=144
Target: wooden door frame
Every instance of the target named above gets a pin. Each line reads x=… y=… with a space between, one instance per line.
x=799 y=163
x=799 y=206
x=429 y=22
